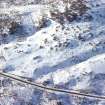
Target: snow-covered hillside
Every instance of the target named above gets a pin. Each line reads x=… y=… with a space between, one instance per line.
x=71 y=56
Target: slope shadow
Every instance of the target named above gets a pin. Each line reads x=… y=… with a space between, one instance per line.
x=79 y=57
x=20 y=33
x=67 y=63
x=23 y=31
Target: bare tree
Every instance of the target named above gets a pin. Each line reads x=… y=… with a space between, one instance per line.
x=72 y=9
x=9 y=22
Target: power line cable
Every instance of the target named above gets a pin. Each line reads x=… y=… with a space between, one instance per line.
x=51 y=89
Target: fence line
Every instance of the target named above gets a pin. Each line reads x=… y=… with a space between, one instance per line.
x=51 y=89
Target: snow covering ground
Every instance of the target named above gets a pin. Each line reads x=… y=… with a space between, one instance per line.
x=58 y=57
